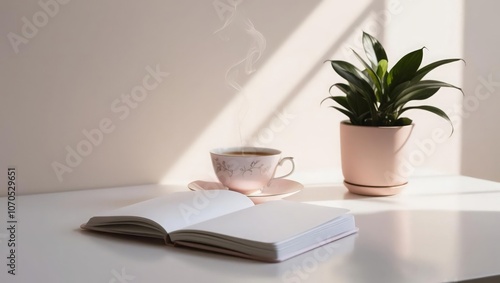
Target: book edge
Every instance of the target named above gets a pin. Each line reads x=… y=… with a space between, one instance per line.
x=230 y=252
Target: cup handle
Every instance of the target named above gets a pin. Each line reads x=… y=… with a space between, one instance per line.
x=281 y=163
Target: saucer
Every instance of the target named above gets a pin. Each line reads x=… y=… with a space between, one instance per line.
x=278 y=189
x=374 y=191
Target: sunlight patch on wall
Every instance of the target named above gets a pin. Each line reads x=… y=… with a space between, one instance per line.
x=262 y=97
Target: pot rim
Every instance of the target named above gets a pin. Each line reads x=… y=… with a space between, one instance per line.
x=348 y=123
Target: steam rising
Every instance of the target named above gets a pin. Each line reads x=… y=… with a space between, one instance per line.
x=246 y=64
x=254 y=53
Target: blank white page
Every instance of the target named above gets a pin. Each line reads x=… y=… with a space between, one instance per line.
x=270 y=222
x=177 y=210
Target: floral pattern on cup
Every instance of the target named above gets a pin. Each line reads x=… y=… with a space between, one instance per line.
x=247 y=172
x=253 y=167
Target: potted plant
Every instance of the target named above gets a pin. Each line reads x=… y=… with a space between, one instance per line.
x=374 y=99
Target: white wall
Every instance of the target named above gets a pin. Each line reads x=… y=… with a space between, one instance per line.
x=480 y=151
x=437 y=26
x=213 y=76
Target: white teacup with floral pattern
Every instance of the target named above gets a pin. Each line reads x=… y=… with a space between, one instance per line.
x=247 y=170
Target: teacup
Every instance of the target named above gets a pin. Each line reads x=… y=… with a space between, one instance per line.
x=247 y=170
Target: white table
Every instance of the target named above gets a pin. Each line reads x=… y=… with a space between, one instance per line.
x=440 y=229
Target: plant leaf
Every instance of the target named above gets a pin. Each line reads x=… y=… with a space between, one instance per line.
x=355 y=77
x=377 y=95
x=398 y=89
x=373 y=49
x=424 y=70
x=382 y=68
x=358 y=104
x=343 y=87
x=405 y=68
x=419 y=90
x=373 y=76
x=417 y=94
x=351 y=116
x=403 y=121
x=431 y=109
x=342 y=100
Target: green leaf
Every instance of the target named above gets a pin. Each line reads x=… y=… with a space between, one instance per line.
x=363 y=116
x=342 y=100
x=417 y=94
x=351 y=116
x=378 y=95
x=355 y=77
x=397 y=90
x=403 y=121
x=431 y=109
x=348 y=67
x=382 y=68
x=420 y=89
x=358 y=104
x=343 y=87
x=373 y=49
x=373 y=76
x=424 y=70
x=405 y=68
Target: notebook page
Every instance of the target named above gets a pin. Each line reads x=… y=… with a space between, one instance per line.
x=177 y=210
x=271 y=222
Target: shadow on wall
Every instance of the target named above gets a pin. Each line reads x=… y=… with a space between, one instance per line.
x=93 y=102
x=481 y=135
x=299 y=85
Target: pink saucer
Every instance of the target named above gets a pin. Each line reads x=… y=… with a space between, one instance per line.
x=373 y=191
x=278 y=189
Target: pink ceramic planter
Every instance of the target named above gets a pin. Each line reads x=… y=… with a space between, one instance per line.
x=371 y=158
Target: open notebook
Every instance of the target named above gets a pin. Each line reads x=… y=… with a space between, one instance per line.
x=228 y=222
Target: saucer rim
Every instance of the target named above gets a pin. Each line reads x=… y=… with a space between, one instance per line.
x=299 y=186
